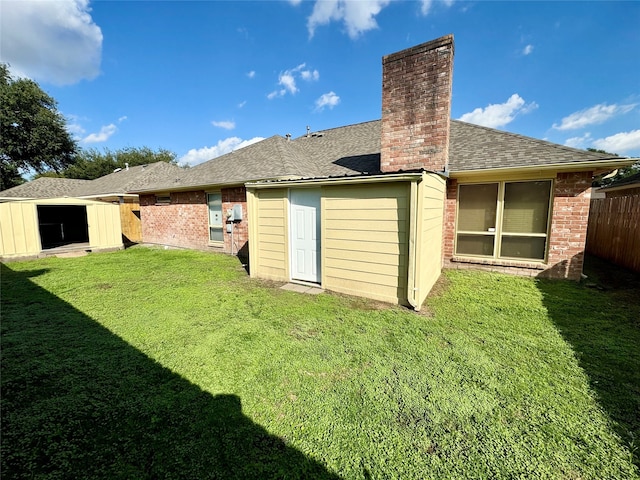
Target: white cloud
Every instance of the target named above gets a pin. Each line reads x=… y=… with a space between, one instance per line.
x=287 y=80
x=593 y=116
x=498 y=115
x=620 y=142
x=357 y=16
x=251 y=74
x=53 y=41
x=309 y=75
x=122 y=119
x=426 y=5
x=295 y=2
x=102 y=136
x=226 y=124
x=199 y=155
x=76 y=130
x=578 y=142
x=527 y=50
x=74 y=126
x=327 y=100
x=242 y=104
x=276 y=93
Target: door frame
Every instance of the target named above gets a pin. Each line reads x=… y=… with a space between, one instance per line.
x=318 y=206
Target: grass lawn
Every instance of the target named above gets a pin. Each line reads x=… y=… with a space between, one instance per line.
x=173 y=364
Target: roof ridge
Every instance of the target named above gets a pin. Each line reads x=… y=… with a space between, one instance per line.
x=339 y=128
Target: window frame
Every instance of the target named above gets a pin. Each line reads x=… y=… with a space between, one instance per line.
x=498 y=233
x=212 y=226
x=162 y=199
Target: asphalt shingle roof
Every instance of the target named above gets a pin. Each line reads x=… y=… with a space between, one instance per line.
x=125 y=181
x=120 y=182
x=45 y=187
x=355 y=149
x=473 y=147
x=348 y=150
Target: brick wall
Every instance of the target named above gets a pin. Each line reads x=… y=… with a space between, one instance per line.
x=449 y=224
x=567 y=236
x=571 y=198
x=230 y=197
x=416 y=107
x=185 y=221
x=182 y=223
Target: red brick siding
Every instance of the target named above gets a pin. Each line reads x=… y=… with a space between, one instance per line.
x=185 y=221
x=230 y=197
x=182 y=223
x=416 y=107
x=449 y=226
x=567 y=235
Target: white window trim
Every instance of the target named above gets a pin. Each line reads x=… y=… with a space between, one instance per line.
x=214 y=242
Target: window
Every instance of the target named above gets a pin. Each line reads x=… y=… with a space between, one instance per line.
x=163 y=199
x=214 y=200
x=507 y=220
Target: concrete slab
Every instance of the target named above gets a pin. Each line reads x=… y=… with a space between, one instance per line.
x=79 y=253
x=295 y=287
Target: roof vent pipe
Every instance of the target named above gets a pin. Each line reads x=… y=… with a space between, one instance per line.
x=288 y=136
x=126 y=165
x=308 y=131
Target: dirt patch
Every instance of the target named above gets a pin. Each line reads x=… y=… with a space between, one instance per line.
x=609 y=276
x=621 y=284
x=440 y=287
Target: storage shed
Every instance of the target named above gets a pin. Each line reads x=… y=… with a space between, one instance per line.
x=375 y=236
x=45 y=226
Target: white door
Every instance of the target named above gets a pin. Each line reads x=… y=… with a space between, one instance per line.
x=305 y=235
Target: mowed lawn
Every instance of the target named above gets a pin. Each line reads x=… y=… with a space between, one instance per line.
x=174 y=364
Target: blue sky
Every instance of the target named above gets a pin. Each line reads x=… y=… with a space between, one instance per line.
x=202 y=78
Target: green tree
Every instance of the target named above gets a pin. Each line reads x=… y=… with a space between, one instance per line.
x=621 y=173
x=32 y=131
x=92 y=163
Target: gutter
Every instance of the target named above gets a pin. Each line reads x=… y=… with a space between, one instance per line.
x=412 y=261
x=401 y=177
x=206 y=186
x=552 y=167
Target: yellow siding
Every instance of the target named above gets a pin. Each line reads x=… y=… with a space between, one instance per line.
x=365 y=241
x=268 y=234
x=18 y=229
x=431 y=192
x=20 y=234
x=104 y=225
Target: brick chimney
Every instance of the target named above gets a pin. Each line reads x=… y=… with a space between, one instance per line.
x=416 y=107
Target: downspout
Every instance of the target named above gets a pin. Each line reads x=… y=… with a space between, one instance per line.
x=412 y=267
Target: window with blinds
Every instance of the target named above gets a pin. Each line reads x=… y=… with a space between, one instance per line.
x=507 y=220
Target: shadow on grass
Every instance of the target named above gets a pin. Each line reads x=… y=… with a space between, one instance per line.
x=600 y=319
x=79 y=402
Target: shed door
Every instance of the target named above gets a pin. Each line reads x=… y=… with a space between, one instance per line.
x=305 y=235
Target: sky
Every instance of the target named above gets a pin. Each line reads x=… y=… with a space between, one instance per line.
x=203 y=78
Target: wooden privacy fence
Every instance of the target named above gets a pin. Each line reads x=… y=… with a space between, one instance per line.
x=614 y=230
x=130 y=220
